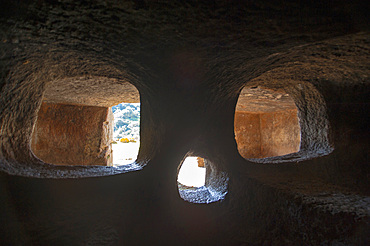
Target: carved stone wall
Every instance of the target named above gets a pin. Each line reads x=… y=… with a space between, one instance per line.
x=73 y=135
x=267 y=134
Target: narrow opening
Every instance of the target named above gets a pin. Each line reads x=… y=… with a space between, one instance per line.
x=200 y=181
x=192 y=173
x=266 y=123
x=126 y=133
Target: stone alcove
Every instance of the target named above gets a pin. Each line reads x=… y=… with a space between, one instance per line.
x=73 y=126
x=266 y=123
x=282 y=123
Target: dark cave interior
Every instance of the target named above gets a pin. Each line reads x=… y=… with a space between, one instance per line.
x=204 y=71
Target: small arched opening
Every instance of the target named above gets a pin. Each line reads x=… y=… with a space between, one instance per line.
x=192 y=173
x=200 y=181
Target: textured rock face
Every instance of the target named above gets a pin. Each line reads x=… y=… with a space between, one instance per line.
x=260 y=135
x=280 y=133
x=73 y=135
x=262 y=100
x=190 y=61
x=94 y=91
x=266 y=123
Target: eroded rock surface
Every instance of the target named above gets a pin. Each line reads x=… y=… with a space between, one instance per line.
x=261 y=135
x=190 y=61
x=67 y=134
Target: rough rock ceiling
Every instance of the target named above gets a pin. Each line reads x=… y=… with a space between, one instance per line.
x=138 y=38
x=94 y=91
x=259 y=100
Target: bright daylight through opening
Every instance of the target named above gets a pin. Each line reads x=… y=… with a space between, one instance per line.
x=192 y=172
x=126 y=134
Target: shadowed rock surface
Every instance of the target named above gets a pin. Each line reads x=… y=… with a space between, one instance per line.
x=189 y=60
